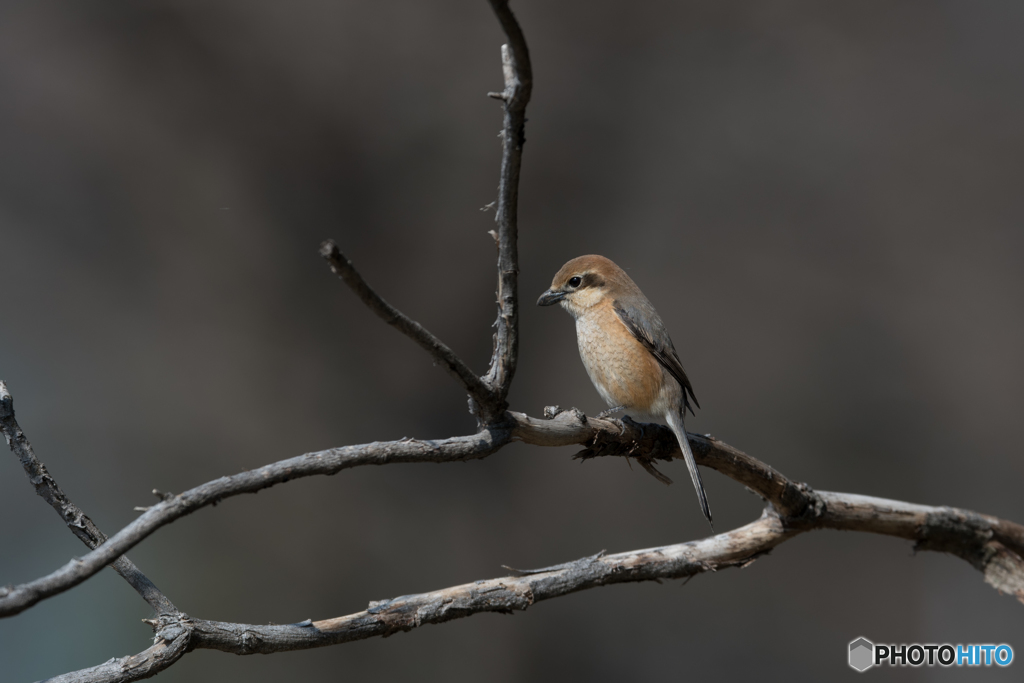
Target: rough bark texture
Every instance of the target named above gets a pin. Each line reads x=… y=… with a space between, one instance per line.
x=991 y=545
x=518 y=75
x=979 y=539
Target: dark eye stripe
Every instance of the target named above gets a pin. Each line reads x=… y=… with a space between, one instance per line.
x=592 y=280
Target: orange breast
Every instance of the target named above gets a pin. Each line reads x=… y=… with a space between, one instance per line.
x=622 y=370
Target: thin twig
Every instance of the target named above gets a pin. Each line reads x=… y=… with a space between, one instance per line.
x=343 y=268
x=518 y=76
x=76 y=520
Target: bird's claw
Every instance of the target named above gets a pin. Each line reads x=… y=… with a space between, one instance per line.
x=550 y=412
x=627 y=420
x=608 y=413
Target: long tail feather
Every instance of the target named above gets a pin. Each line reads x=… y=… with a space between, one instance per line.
x=675 y=423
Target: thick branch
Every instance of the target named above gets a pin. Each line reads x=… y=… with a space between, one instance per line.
x=504 y=595
x=966 y=534
x=959 y=529
x=80 y=525
x=343 y=268
x=648 y=442
x=943 y=529
x=799 y=506
x=518 y=75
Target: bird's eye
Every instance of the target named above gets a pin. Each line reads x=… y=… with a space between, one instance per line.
x=575 y=281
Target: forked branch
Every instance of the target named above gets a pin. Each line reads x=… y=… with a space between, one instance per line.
x=489 y=394
x=990 y=544
x=76 y=520
x=19 y=598
x=967 y=534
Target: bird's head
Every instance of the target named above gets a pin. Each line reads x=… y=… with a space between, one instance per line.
x=584 y=282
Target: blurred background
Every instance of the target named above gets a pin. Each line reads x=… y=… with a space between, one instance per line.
x=823 y=200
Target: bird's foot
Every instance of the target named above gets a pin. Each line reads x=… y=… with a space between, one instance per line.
x=551 y=412
x=627 y=420
x=608 y=413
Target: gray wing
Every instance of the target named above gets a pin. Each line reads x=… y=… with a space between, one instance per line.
x=643 y=322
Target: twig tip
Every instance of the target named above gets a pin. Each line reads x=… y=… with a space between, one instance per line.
x=7 y=410
x=328 y=248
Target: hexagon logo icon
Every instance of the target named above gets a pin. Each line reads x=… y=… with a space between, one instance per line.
x=862 y=654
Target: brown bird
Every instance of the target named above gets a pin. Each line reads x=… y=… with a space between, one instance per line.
x=626 y=348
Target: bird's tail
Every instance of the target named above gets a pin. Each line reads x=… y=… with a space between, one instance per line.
x=675 y=423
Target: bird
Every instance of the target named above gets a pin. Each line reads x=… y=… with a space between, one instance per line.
x=626 y=349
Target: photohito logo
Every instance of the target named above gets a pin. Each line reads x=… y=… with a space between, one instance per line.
x=864 y=654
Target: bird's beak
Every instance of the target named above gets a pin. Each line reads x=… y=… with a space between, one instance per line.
x=550 y=297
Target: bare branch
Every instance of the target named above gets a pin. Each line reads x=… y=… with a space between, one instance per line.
x=799 y=506
x=993 y=546
x=963 y=533
x=147 y=663
x=18 y=598
x=76 y=520
x=518 y=76
x=605 y=437
x=489 y=393
x=967 y=534
x=343 y=268
x=504 y=595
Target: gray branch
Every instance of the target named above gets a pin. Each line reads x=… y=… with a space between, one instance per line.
x=518 y=76
x=796 y=503
x=76 y=520
x=504 y=595
x=481 y=392
x=979 y=539
x=19 y=598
